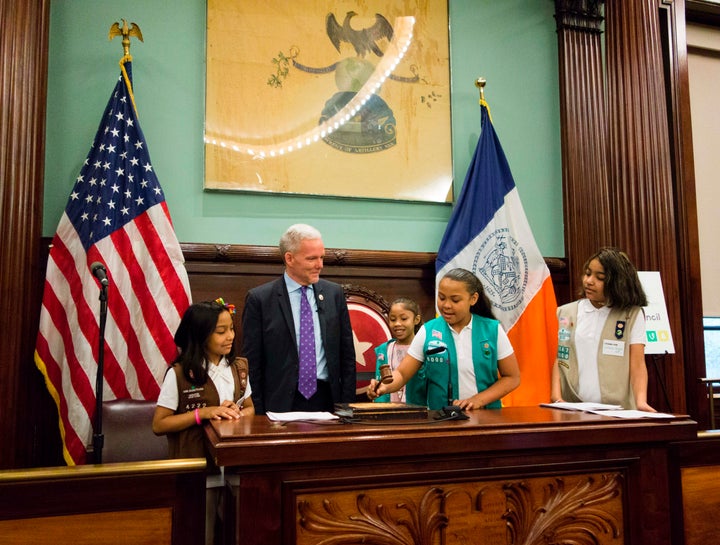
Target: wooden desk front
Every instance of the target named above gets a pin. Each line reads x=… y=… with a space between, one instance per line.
x=517 y=475
x=140 y=503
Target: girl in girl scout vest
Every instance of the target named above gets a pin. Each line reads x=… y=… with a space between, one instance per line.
x=601 y=337
x=465 y=344
x=404 y=320
x=206 y=381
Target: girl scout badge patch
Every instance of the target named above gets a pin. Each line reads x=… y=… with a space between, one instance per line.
x=564 y=329
x=619 y=329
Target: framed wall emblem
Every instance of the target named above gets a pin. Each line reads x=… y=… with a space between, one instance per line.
x=344 y=98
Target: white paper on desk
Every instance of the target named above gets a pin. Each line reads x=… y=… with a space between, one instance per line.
x=633 y=414
x=300 y=415
x=581 y=406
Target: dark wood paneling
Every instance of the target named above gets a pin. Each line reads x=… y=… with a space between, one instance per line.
x=141 y=503
x=688 y=262
x=628 y=168
x=583 y=121
x=641 y=178
x=703 y=12
x=229 y=271
x=695 y=485
x=23 y=76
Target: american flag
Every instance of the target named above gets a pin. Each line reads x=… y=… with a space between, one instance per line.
x=116 y=215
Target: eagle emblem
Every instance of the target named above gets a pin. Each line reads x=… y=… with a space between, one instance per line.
x=364 y=40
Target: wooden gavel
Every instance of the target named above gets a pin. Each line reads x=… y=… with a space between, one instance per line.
x=385 y=375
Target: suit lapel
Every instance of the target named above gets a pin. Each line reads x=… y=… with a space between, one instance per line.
x=285 y=308
x=320 y=302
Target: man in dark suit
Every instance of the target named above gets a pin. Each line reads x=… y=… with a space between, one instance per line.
x=272 y=337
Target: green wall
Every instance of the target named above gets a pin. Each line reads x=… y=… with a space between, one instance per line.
x=512 y=43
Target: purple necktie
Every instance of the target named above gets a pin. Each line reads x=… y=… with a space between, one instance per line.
x=307 y=381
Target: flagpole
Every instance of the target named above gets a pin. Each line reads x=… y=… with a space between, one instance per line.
x=98 y=436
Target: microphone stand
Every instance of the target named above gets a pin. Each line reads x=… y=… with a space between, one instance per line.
x=98 y=437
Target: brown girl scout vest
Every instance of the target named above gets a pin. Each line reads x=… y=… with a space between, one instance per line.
x=613 y=370
x=190 y=442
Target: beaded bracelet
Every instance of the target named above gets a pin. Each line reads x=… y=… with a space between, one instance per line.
x=197 y=417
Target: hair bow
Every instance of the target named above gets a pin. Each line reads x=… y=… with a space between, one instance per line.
x=229 y=307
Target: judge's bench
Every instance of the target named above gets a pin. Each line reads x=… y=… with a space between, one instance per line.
x=520 y=475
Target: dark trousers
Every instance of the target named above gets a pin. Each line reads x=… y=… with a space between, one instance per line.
x=320 y=401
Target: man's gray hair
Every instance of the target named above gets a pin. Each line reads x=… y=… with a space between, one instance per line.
x=295 y=234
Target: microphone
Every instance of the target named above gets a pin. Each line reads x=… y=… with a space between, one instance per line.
x=99 y=272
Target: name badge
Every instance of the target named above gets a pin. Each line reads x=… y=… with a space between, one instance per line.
x=614 y=348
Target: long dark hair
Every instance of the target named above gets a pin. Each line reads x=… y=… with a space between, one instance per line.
x=483 y=306
x=196 y=326
x=622 y=289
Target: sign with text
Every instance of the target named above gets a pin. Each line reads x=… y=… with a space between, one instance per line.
x=657 y=322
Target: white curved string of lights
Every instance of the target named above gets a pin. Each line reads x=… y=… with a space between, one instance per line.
x=391 y=58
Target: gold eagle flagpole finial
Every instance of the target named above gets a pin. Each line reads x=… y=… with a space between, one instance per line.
x=126 y=32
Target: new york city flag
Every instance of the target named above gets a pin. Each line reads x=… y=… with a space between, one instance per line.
x=489 y=235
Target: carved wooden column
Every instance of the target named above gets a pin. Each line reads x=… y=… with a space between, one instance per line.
x=23 y=77
x=640 y=172
x=627 y=173
x=672 y=21
x=583 y=134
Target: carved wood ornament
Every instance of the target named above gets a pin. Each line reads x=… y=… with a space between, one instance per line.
x=582 y=510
